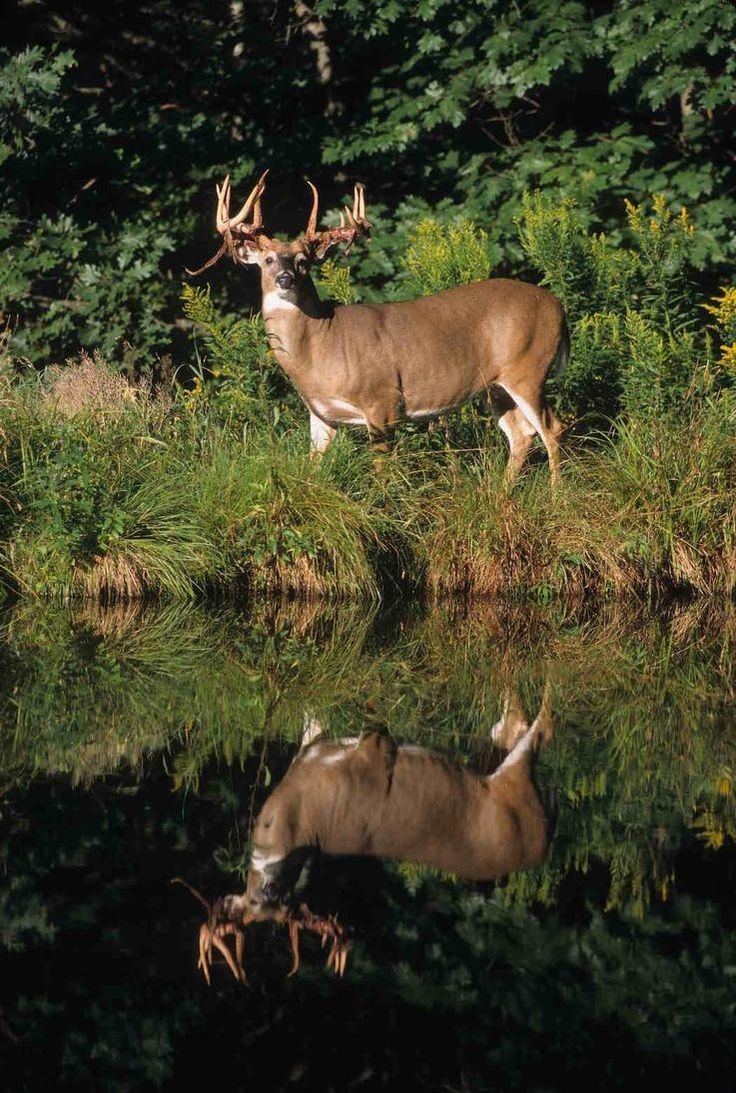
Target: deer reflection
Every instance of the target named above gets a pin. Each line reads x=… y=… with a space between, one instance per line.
x=369 y=796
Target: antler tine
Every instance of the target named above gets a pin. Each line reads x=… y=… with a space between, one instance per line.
x=257 y=212
x=239 y=951
x=211 y=262
x=359 y=201
x=205 y=951
x=223 y=205
x=312 y=222
x=294 y=939
x=253 y=199
x=351 y=218
x=236 y=969
x=197 y=895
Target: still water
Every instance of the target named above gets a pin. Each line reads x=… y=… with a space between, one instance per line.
x=494 y=846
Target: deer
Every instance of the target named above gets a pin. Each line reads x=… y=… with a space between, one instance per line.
x=369 y=796
x=376 y=365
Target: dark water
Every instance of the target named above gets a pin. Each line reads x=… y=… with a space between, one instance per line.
x=139 y=746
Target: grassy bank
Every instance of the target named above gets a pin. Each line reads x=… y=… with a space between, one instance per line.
x=140 y=495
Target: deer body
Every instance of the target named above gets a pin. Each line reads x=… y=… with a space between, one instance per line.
x=376 y=365
x=367 y=796
x=414 y=805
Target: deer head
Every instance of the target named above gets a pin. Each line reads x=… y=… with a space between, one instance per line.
x=284 y=266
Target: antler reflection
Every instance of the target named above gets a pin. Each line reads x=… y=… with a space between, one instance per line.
x=225 y=919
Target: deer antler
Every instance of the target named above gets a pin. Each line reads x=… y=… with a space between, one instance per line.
x=212 y=932
x=226 y=224
x=217 y=928
x=325 y=926
x=209 y=936
x=353 y=224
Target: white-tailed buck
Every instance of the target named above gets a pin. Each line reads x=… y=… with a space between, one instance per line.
x=368 y=796
x=379 y=364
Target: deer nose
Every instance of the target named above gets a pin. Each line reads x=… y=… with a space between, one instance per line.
x=285 y=279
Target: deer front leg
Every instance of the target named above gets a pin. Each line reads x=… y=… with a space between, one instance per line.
x=321 y=435
x=381 y=435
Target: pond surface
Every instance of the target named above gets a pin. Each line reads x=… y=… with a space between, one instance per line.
x=512 y=827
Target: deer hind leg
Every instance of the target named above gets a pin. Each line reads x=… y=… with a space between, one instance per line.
x=539 y=416
x=513 y=782
x=513 y=733
x=312 y=729
x=542 y=725
x=517 y=430
x=512 y=724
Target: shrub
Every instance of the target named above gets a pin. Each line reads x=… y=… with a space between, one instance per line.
x=441 y=256
x=243 y=378
x=633 y=310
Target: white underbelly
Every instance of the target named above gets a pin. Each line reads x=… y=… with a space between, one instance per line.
x=422 y=414
x=337 y=411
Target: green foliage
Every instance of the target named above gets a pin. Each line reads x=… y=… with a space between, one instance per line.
x=30 y=82
x=633 y=309
x=70 y=279
x=335 y=282
x=439 y=256
x=110 y=153
x=245 y=381
x=586 y=272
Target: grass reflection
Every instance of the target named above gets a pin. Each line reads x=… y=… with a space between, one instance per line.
x=643 y=707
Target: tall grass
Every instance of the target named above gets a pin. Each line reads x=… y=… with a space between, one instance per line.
x=161 y=500
x=157 y=500
x=651 y=508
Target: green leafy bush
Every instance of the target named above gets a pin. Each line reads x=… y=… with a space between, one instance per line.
x=633 y=309
x=238 y=374
x=441 y=256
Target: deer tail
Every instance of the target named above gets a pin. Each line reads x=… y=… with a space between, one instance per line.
x=562 y=355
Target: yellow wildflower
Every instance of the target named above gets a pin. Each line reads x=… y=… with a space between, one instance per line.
x=724 y=785
x=723 y=307
x=728 y=357
x=633 y=215
x=686 y=224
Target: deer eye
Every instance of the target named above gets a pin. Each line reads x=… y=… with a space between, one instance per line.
x=301 y=264
x=268 y=260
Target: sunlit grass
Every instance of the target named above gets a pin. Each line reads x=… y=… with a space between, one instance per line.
x=168 y=500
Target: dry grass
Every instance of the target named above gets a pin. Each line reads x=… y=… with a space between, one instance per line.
x=89 y=386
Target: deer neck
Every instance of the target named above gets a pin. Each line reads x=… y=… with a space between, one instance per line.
x=291 y=328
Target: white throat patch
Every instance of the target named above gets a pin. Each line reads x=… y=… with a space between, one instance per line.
x=273 y=302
